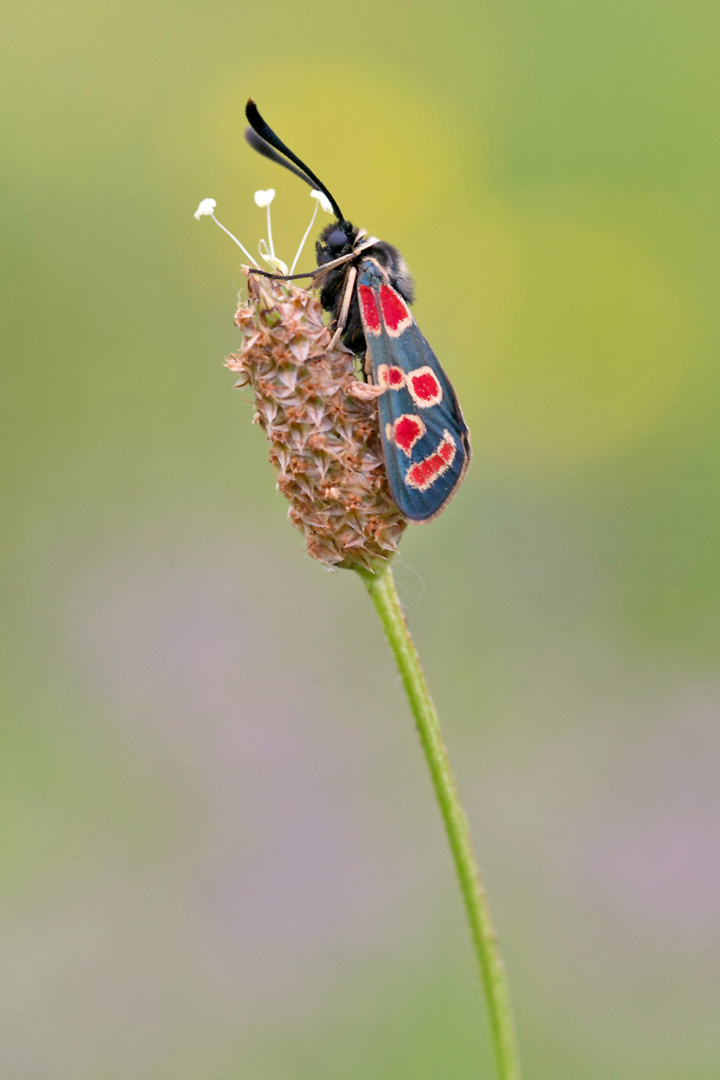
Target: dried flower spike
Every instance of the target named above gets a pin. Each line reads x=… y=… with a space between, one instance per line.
x=322 y=425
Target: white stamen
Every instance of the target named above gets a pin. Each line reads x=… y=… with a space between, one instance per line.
x=323 y=200
x=264 y=198
x=305 y=236
x=277 y=264
x=205 y=209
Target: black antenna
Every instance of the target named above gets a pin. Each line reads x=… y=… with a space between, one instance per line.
x=267 y=151
x=268 y=139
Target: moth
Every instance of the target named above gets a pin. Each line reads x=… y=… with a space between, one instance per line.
x=365 y=285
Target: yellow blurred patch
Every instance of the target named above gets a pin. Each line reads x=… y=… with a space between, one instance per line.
x=385 y=153
x=571 y=335
x=580 y=341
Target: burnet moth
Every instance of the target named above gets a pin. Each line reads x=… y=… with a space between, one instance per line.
x=365 y=286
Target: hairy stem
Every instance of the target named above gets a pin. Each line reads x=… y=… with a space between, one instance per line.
x=381 y=587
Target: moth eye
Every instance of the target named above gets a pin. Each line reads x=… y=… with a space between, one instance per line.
x=337 y=240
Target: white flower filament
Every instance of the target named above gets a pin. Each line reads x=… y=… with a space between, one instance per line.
x=320 y=200
x=205 y=209
x=267 y=251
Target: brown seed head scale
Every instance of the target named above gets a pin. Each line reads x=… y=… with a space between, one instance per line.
x=322 y=425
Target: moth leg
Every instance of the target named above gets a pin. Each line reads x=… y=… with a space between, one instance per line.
x=369 y=367
x=345 y=306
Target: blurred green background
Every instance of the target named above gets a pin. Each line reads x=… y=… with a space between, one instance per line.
x=220 y=854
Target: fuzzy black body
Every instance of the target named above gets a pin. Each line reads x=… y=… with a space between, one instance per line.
x=331 y=283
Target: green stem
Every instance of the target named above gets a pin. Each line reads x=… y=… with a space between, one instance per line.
x=381 y=587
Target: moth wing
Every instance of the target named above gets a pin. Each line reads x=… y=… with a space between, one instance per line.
x=425 y=439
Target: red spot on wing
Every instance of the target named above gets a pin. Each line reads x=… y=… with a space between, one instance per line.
x=424 y=387
x=371 y=315
x=395 y=311
x=423 y=474
x=388 y=375
x=407 y=430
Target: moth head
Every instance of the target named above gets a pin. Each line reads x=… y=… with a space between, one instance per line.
x=336 y=239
